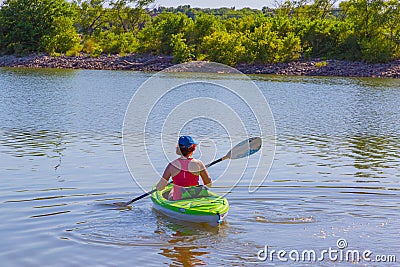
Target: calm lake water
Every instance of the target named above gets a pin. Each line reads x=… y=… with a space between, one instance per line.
x=335 y=177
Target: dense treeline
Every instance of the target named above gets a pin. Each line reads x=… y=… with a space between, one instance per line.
x=359 y=30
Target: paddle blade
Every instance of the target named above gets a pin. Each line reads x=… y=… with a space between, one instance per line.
x=121 y=204
x=245 y=148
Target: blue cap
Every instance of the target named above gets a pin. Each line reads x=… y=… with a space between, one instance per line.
x=186 y=141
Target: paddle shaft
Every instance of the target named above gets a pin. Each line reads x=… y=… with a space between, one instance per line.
x=140 y=197
x=216 y=161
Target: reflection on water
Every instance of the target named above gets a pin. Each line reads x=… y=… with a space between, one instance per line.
x=376 y=154
x=183 y=247
x=335 y=174
x=369 y=157
x=31 y=142
x=184 y=256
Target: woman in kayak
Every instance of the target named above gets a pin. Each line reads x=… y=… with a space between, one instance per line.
x=185 y=170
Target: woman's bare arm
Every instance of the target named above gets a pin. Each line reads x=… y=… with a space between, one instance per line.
x=164 y=179
x=205 y=176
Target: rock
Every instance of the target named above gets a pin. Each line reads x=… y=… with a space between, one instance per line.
x=157 y=63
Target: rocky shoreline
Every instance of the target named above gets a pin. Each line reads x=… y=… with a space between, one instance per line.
x=134 y=62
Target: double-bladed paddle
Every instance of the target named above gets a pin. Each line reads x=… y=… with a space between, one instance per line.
x=241 y=150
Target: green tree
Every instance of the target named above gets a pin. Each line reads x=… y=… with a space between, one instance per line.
x=246 y=23
x=24 y=23
x=203 y=25
x=181 y=51
x=91 y=16
x=125 y=18
x=370 y=21
x=322 y=9
x=149 y=40
x=157 y=37
x=62 y=38
x=111 y=26
x=325 y=38
x=316 y=9
x=223 y=47
x=266 y=46
x=392 y=25
x=366 y=16
x=116 y=43
x=290 y=49
x=116 y=15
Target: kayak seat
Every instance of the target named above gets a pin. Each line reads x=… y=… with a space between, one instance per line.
x=198 y=191
x=195 y=192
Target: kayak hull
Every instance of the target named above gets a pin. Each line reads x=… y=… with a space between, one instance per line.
x=212 y=209
x=213 y=219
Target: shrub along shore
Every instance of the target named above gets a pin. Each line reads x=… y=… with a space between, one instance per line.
x=281 y=40
x=136 y=62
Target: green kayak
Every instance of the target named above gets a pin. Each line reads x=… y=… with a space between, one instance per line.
x=199 y=204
